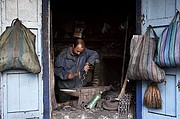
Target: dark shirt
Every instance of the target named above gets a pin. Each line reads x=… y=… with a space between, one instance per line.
x=68 y=63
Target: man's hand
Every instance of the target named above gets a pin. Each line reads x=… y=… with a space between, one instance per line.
x=86 y=67
x=70 y=76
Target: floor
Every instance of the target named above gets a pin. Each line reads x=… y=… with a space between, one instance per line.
x=70 y=112
x=104 y=109
x=85 y=114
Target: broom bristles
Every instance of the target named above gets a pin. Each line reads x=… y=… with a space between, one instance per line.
x=152 y=96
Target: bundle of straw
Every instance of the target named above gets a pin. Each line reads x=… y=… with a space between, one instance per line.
x=152 y=96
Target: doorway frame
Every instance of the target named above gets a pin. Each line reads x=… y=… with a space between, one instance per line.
x=45 y=57
x=138 y=83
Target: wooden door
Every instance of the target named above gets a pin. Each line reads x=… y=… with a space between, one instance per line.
x=21 y=91
x=159 y=13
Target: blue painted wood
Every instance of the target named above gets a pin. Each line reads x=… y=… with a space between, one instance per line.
x=21 y=94
x=138 y=83
x=46 y=77
x=170 y=98
x=139 y=100
x=159 y=13
x=168 y=94
x=21 y=91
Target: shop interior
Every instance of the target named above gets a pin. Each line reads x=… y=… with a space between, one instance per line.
x=105 y=26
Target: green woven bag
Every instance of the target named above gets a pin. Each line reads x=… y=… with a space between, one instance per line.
x=17 y=44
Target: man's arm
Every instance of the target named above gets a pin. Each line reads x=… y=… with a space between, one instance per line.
x=93 y=56
x=59 y=69
x=62 y=70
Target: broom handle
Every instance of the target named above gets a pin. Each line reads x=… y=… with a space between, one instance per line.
x=124 y=55
x=123 y=88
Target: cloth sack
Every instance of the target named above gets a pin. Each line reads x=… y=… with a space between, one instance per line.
x=168 y=50
x=17 y=44
x=141 y=65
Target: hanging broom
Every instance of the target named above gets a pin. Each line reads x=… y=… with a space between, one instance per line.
x=152 y=96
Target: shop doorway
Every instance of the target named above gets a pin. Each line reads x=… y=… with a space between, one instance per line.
x=107 y=27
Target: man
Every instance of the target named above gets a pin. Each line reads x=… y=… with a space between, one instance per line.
x=72 y=65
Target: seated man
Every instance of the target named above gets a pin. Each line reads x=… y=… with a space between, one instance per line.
x=72 y=65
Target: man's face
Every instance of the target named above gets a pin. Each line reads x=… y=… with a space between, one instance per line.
x=78 y=49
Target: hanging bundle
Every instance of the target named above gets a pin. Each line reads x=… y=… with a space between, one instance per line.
x=152 y=96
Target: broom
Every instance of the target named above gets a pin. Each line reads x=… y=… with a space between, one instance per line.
x=152 y=96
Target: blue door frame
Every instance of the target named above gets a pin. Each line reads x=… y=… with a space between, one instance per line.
x=138 y=83
x=139 y=100
x=45 y=59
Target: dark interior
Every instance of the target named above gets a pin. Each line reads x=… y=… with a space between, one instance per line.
x=107 y=27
